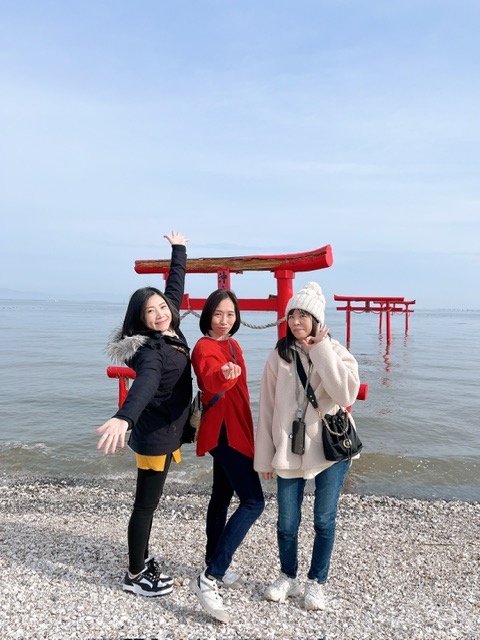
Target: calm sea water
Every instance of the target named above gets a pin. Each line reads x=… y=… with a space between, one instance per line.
x=419 y=423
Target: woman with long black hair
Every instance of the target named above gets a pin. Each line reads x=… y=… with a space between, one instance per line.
x=155 y=411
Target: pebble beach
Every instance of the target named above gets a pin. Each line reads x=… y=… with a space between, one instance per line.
x=401 y=568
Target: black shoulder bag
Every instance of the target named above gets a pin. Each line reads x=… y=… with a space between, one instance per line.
x=340 y=438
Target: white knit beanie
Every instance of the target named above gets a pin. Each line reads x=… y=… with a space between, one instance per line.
x=310 y=299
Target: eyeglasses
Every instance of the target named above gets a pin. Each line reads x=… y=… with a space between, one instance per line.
x=299 y=315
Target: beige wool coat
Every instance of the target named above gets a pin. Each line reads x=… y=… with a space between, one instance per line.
x=335 y=381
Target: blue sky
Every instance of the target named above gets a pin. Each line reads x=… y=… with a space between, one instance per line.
x=255 y=128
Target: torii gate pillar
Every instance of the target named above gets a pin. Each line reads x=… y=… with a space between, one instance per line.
x=223 y=279
x=285 y=279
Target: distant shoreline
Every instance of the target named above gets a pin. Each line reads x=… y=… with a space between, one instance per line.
x=17 y=296
x=195 y=487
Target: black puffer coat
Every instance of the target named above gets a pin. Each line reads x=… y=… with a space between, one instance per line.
x=158 y=402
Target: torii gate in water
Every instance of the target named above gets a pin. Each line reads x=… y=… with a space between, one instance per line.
x=375 y=304
x=283 y=266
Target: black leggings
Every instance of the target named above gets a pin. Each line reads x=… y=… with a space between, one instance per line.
x=147 y=496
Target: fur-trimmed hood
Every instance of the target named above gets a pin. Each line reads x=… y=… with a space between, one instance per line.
x=122 y=349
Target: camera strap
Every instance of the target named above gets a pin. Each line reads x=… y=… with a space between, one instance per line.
x=305 y=380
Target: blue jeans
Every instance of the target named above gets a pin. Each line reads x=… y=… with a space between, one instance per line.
x=328 y=486
x=233 y=472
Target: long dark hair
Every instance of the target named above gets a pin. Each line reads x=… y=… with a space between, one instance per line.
x=285 y=344
x=133 y=322
x=212 y=302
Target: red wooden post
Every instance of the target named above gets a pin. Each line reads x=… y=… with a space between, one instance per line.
x=407 y=314
x=123 y=374
x=363 y=391
x=388 y=319
x=348 y=322
x=223 y=279
x=284 y=293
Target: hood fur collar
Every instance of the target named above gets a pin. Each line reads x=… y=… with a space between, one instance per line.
x=122 y=350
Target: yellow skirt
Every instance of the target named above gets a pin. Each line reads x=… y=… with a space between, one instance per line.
x=156 y=463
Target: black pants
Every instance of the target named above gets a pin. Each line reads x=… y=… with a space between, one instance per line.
x=147 y=496
x=233 y=472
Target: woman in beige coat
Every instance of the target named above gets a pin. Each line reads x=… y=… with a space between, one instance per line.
x=333 y=376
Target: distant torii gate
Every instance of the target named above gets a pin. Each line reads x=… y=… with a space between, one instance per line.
x=283 y=267
x=376 y=304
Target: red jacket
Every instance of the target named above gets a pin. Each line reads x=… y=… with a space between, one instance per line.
x=233 y=408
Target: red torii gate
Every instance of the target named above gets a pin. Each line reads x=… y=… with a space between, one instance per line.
x=283 y=266
x=376 y=304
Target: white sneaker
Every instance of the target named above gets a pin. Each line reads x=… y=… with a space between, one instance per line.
x=206 y=590
x=283 y=588
x=232 y=580
x=314 y=596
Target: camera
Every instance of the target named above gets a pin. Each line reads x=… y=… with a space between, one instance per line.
x=298 y=437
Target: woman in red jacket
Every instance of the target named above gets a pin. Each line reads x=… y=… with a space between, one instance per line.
x=226 y=433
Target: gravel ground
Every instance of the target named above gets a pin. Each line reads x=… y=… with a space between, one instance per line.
x=400 y=569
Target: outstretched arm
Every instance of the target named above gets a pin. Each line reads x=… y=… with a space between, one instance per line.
x=175 y=285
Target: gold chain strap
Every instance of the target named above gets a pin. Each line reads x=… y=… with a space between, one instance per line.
x=327 y=426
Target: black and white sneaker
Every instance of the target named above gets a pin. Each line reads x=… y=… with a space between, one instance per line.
x=146 y=584
x=153 y=567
